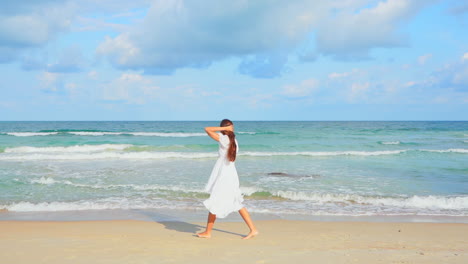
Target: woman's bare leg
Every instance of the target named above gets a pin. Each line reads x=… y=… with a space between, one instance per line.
x=246 y=216
x=209 y=226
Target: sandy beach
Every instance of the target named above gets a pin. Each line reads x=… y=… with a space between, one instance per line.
x=280 y=241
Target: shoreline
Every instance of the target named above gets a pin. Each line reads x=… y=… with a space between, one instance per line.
x=192 y=215
x=280 y=241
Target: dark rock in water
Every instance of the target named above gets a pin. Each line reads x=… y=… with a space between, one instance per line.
x=283 y=174
x=278 y=174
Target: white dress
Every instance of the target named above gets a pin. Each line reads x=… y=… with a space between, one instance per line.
x=223 y=185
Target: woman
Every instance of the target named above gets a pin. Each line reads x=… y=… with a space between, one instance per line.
x=223 y=185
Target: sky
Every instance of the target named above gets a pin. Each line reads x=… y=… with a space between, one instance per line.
x=237 y=59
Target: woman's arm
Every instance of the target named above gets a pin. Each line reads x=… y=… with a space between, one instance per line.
x=211 y=131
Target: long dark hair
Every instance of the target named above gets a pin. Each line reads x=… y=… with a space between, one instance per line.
x=232 y=150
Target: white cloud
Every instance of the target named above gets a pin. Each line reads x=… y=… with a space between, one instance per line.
x=177 y=33
x=305 y=88
x=126 y=52
x=49 y=80
x=130 y=88
x=465 y=57
x=55 y=85
x=71 y=60
x=93 y=75
x=424 y=58
x=335 y=75
x=97 y=24
x=357 y=88
x=460 y=77
x=260 y=101
x=410 y=83
x=450 y=76
x=353 y=74
x=31 y=24
x=352 y=32
x=358 y=91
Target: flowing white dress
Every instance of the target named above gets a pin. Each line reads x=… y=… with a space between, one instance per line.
x=223 y=185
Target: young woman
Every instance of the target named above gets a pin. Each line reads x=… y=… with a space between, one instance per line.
x=223 y=185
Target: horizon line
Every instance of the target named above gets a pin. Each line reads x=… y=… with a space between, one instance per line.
x=240 y=120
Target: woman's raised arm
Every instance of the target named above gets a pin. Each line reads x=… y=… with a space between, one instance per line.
x=211 y=131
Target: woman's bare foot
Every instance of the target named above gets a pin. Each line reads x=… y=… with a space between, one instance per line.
x=252 y=233
x=204 y=235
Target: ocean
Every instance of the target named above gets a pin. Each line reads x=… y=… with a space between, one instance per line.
x=287 y=169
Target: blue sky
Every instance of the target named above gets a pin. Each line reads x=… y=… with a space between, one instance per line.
x=241 y=59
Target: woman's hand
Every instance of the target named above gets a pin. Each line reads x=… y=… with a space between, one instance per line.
x=229 y=128
x=211 y=131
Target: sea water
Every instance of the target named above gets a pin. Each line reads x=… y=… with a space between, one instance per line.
x=286 y=169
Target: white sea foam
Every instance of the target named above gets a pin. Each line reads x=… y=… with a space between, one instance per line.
x=145 y=187
x=110 y=155
x=44 y=180
x=160 y=134
x=100 y=204
x=71 y=206
x=103 y=133
x=136 y=187
x=85 y=153
x=428 y=205
x=86 y=133
x=127 y=151
x=70 y=149
x=391 y=142
x=144 y=134
x=249 y=190
x=246 y=133
x=426 y=202
x=31 y=134
x=148 y=134
x=325 y=153
x=447 y=150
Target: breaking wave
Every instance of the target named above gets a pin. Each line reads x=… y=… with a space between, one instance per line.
x=128 y=151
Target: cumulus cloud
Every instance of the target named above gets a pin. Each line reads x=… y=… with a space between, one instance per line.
x=93 y=75
x=264 y=66
x=71 y=60
x=60 y=89
x=130 y=88
x=358 y=90
x=177 y=33
x=450 y=77
x=460 y=77
x=424 y=58
x=30 y=24
x=174 y=34
x=52 y=84
x=465 y=57
x=303 y=89
x=335 y=75
x=351 y=33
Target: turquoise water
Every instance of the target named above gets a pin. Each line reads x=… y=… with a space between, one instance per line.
x=285 y=168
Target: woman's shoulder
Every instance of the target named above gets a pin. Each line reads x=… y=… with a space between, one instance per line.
x=223 y=138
